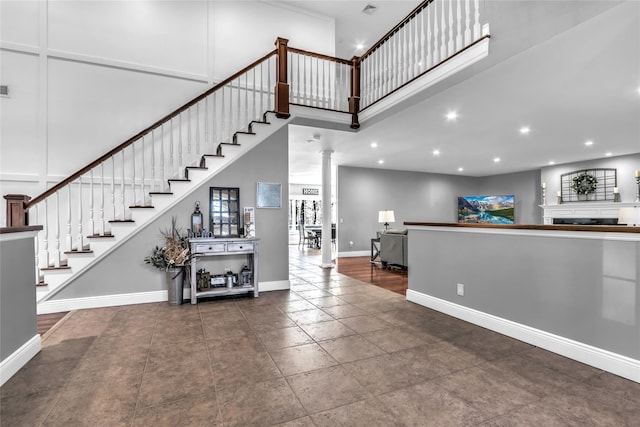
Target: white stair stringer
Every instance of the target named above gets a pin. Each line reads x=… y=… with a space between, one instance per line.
x=57 y=280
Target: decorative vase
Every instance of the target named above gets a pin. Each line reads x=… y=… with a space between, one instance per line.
x=175 y=281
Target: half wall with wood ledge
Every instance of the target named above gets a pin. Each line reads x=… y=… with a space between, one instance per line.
x=573 y=290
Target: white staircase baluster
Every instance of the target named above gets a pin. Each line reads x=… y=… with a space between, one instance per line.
x=476 y=20
x=459 y=41
x=102 y=225
x=428 y=41
x=231 y=115
x=246 y=110
x=215 y=124
x=443 y=33
x=197 y=130
x=143 y=175
x=451 y=44
x=47 y=255
x=223 y=122
x=188 y=133
x=92 y=224
x=178 y=163
x=57 y=258
x=80 y=238
x=436 y=33
x=255 y=106
x=467 y=22
x=122 y=189
x=262 y=105
x=206 y=129
x=238 y=112
x=317 y=91
x=113 y=187
x=422 y=48
x=69 y=236
x=153 y=170
x=179 y=138
x=269 y=86
x=33 y=219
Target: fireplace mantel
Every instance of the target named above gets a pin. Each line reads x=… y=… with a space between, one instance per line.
x=584 y=210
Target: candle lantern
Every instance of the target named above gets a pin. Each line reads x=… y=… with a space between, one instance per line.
x=196 y=220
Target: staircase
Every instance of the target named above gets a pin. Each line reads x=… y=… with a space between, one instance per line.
x=56 y=278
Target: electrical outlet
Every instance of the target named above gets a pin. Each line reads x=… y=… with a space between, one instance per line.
x=460 y=289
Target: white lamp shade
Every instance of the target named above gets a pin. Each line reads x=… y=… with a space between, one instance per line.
x=629 y=216
x=386 y=216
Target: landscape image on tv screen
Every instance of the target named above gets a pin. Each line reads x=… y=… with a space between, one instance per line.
x=486 y=209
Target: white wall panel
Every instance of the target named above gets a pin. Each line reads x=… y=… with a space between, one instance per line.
x=166 y=34
x=95 y=108
x=245 y=30
x=19 y=22
x=19 y=119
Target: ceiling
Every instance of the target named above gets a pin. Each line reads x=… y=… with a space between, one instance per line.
x=568 y=70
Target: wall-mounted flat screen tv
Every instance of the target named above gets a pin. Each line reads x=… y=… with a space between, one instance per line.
x=486 y=209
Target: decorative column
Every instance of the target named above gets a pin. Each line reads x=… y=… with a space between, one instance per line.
x=326 y=209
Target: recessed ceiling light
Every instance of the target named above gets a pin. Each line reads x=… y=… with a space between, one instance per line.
x=551 y=162
x=608 y=154
x=359 y=46
x=588 y=143
x=436 y=152
x=380 y=162
x=452 y=115
x=525 y=130
x=496 y=160
x=374 y=144
x=460 y=169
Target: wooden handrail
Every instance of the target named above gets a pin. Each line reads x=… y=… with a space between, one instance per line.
x=319 y=55
x=145 y=131
x=395 y=28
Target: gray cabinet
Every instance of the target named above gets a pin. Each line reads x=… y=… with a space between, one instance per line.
x=206 y=247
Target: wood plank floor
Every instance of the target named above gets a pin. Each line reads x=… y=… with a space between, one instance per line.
x=361 y=268
x=47 y=321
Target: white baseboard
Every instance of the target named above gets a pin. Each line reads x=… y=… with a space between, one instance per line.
x=353 y=254
x=56 y=306
x=19 y=358
x=276 y=285
x=602 y=359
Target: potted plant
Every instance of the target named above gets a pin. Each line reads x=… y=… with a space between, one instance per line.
x=173 y=258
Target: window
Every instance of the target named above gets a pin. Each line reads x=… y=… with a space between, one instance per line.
x=224 y=211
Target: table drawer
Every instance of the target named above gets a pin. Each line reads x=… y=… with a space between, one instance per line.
x=210 y=248
x=240 y=247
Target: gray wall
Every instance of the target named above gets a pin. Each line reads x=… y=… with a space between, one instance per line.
x=582 y=289
x=124 y=270
x=417 y=196
x=17 y=294
x=625 y=166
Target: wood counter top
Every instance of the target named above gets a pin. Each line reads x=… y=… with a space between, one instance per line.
x=564 y=227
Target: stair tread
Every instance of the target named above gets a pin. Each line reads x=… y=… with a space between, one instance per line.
x=244 y=133
x=213 y=155
x=40 y=284
x=64 y=267
x=156 y=193
x=261 y=122
x=116 y=221
x=179 y=179
x=100 y=236
x=197 y=167
x=140 y=207
x=75 y=251
x=229 y=143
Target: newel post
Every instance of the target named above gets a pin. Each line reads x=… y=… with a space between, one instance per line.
x=17 y=211
x=282 y=87
x=354 y=99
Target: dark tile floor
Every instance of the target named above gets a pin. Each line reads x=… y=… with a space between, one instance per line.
x=333 y=351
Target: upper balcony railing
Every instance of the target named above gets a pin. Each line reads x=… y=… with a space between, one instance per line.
x=432 y=33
